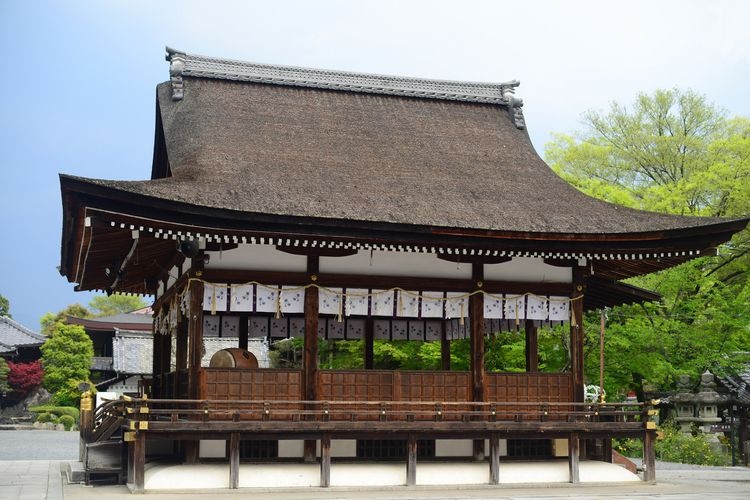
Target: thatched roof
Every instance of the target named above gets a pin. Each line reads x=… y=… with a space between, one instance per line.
x=273 y=146
x=248 y=151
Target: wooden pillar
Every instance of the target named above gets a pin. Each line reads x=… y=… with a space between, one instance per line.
x=573 y=458
x=310 y=355
x=369 y=342
x=195 y=339
x=532 y=346
x=325 y=461
x=576 y=334
x=244 y=331
x=411 y=460
x=649 y=456
x=494 y=459
x=445 y=347
x=156 y=359
x=607 y=450
x=180 y=356
x=139 y=462
x=476 y=316
x=234 y=460
x=166 y=365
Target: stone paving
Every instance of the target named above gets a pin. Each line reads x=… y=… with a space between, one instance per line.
x=30 y=480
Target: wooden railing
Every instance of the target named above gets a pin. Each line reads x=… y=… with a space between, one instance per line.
x=185 y=411
x=384 y=385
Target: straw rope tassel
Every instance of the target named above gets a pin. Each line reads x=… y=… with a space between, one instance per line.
x=518 y=321
x=341 y=308
x=213 y=300
x=278 y=304
x=461 y=319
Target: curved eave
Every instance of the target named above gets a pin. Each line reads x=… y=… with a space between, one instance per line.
x=80 y=195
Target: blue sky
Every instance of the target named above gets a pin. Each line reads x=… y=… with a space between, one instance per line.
x=78 y=80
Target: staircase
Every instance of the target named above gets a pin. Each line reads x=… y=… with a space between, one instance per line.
x=102 y=449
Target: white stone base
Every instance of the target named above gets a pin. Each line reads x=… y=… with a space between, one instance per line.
x=300 y=475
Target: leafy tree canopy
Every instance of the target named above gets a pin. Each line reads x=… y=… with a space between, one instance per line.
x=671 y=151
x=4 y=307
x=103 y=305
x=66 y=358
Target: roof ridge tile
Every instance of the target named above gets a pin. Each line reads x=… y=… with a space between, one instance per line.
x=183 y=64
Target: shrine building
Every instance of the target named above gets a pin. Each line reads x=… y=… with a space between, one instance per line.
x=288 y=202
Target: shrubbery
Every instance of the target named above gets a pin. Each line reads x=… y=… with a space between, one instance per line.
x=672 y=445
x=57 y=411
x=677 y=446
x=67 y=421
x=45 y=417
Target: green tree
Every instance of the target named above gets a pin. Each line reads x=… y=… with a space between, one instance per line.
x=4 y=307
x=50 y=321
x=4 y=371
x=674 y=152
x=66 y=357
x=103 y=305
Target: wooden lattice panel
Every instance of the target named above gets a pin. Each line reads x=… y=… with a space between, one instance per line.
x=252 y=385
x=434 y=386
x=528 y=387
x=356 y=385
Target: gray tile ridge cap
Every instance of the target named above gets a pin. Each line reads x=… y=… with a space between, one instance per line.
x=184 y=64
x=22 y=329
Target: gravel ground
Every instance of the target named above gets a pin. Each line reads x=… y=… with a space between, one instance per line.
x=38 y=445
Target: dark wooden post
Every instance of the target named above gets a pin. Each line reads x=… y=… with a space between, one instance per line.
x=244 y=331
x=494 y=459
x=180 y=357
x=476 y=316
x=576 y=334
x=445 y=347
x=649 y=456
x=325 y=460
x=234 y=460
x=310 y=355
x=369 y=342
x=157 y=358
x=411 y=460
x=194 y=354
x=86 y=424
x=532 y=347
x=139 y=462
x=195 y=338
x=573 y=458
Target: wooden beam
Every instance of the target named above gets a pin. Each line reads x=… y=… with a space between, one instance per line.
x=310 y=354
x=234 y=460
x=411 y=460
x=576 y=334
x=139 y=462
x=181 y=356
x=649 y=456
x=532 y=346
x=195 y=338
x=494 y=459
x=244 y=330
x=369 y=342
x=325 y=461
x=445 y=347
x=476 y=316
x=573 y=458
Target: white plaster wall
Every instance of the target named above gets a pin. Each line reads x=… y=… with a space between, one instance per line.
x=257 y=257
x=291 y=448
x=421 y=265
x=559 y=447
x=212 y=448
x=527 y=269
x=343 y=447
x=464 y=447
